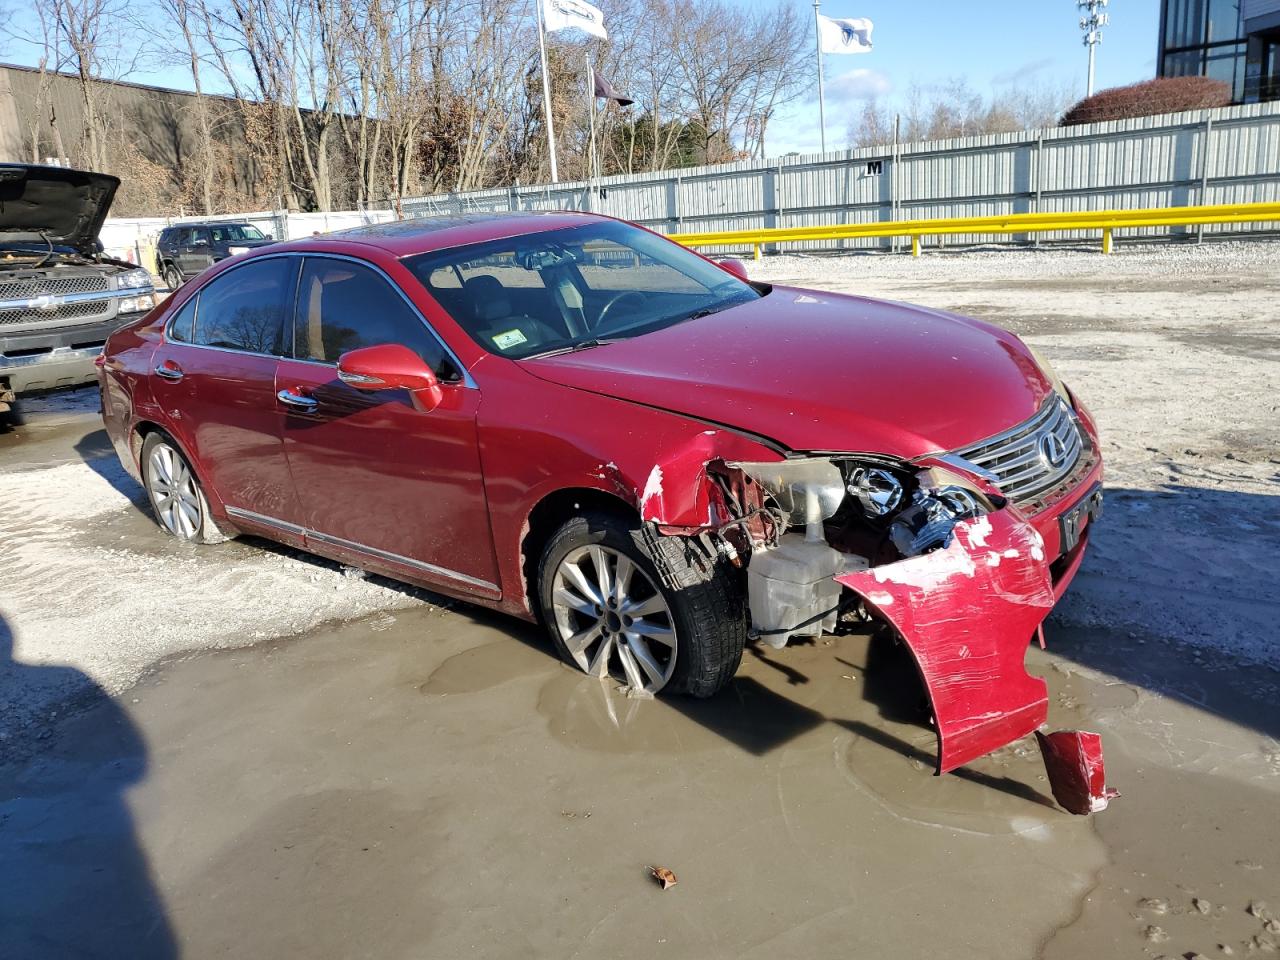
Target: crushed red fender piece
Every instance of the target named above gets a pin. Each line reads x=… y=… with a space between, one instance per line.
x=967 y=613
x=1073 y=761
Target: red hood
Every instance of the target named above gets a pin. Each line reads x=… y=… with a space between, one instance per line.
x=820 y=371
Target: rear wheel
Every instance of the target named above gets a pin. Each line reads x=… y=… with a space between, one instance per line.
x=172 y=278
x=175 y=494
x=656 y=613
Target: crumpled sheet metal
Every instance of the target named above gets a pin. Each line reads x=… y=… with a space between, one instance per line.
x=1073 y=761
x=967 y=613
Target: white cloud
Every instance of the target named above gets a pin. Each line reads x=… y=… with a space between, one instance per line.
x=859 y=84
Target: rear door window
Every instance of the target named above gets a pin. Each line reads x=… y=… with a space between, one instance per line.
x=344 y=306
x=245 y=308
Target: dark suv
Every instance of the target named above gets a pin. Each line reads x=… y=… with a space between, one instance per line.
x=185 y=249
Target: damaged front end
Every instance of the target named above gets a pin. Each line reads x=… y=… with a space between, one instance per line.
x=931 y=548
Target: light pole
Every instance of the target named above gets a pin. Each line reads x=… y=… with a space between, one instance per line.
x=1091 y=25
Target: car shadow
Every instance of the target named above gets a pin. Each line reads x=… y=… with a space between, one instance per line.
x=1175 y=596
x=75 y=881
x=99 y=455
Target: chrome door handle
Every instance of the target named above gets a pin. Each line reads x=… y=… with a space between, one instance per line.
x=297 y=401
x=169 y=373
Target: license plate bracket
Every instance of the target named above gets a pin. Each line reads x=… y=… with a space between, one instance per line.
x=1071 y=523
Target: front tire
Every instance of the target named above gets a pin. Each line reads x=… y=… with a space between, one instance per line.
x=174 y=491
x=658 y=613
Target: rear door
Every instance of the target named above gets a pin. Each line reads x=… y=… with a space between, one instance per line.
x=377 y=479
x=215 y=377
x=193 y=251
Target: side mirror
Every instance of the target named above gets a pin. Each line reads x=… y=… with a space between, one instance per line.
x=735 y=266
x=391 y=366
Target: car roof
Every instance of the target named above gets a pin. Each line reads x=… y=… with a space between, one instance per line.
x=403 y=238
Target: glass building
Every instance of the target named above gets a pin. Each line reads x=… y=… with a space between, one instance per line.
x=1237 y=41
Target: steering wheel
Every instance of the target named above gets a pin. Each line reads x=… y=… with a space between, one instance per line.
x=614 y=301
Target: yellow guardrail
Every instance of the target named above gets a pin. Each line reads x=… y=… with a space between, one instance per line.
x=1107 y=221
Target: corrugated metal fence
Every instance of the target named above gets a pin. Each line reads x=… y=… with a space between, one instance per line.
x=1228 y=155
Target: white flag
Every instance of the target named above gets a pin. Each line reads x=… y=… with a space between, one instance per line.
x=844 y=36
x=564 y=14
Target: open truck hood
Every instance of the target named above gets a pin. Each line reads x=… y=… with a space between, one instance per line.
x=823 y=372
x=67 y=207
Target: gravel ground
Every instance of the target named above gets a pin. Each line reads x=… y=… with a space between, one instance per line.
x=1175 y=348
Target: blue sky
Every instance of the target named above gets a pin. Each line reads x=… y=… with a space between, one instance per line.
x=991 y=44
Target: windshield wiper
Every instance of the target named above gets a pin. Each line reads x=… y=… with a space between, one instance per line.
x=574 y=347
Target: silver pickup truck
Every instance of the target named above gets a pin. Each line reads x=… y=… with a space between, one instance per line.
x=60 y=298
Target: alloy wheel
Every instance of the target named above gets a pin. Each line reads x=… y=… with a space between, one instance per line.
x=613 y=619
x=173 y=491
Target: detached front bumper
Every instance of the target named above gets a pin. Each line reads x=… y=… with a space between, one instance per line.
x=968 y=612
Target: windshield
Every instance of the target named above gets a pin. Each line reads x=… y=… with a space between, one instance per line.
x=575 y=288
x=235 y=231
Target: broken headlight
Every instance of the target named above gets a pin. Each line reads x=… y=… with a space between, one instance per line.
x=808 y=490
x=940 y=500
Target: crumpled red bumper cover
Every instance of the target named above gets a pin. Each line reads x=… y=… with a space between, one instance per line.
x=967 y=613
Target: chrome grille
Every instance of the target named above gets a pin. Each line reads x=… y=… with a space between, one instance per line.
x=1021 y=457
x=28 y=289
x=60 y=314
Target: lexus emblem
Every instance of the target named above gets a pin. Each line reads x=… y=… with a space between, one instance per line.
x=1052 y=450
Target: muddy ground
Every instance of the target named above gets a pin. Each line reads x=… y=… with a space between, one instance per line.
x=240 y=751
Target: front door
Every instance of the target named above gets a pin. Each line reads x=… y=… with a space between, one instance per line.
x=378 y=480
x=215 y=375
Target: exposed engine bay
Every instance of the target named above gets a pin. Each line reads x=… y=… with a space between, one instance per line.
x=931 y=549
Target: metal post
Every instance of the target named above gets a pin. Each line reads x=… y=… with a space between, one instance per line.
x=546 y=95
x=1106 y=239
x=822 y=110
x=1204 y=171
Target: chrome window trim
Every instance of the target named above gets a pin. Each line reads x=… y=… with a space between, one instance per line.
x=168 y=321
x=300 y=256
x=368 y=551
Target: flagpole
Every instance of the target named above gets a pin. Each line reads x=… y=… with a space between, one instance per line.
x=822 y=109
x=591 y=121
x=546 y=95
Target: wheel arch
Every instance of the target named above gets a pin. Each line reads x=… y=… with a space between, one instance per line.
x=548 y=515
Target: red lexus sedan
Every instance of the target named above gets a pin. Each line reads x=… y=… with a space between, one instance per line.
x=572 y=419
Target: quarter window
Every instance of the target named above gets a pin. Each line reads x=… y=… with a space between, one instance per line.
x=344 y=306
x=182 y=326
x=244 y=309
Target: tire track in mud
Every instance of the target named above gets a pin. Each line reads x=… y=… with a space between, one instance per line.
x=87 y=580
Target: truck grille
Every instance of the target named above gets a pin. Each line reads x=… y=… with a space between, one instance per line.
x=59 y=314
x=58 y=286
x=1035 y=459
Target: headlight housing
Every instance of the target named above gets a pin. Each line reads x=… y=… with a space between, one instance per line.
x=236 y=251
x=136 y=279
x=1050 y=374
x=808 y=490
x=940 y=500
